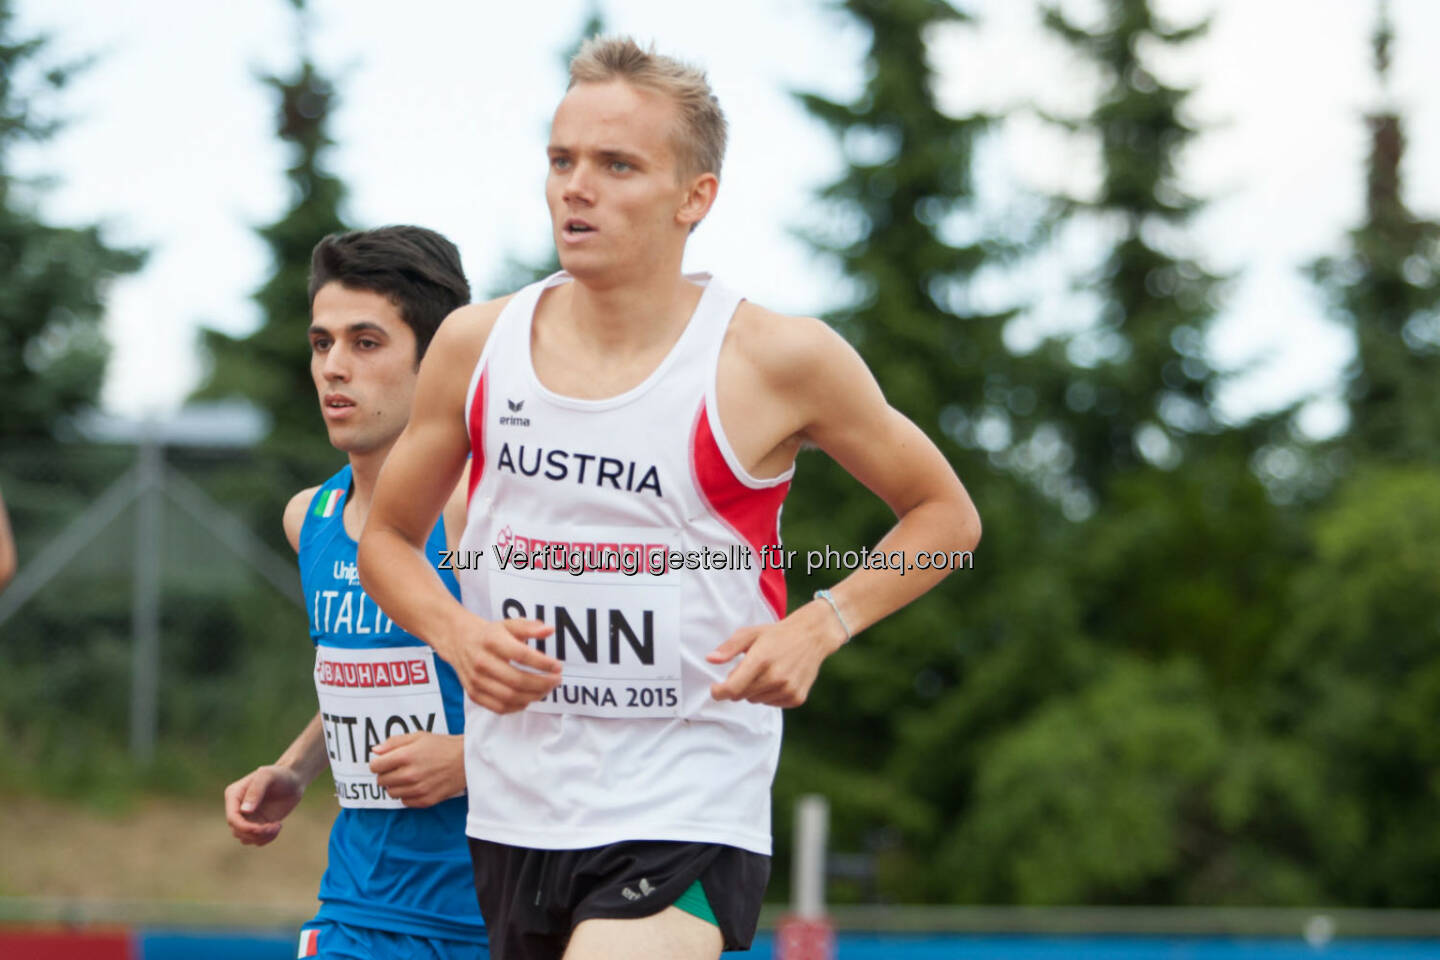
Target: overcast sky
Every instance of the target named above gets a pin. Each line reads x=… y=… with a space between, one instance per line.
x=445 y=108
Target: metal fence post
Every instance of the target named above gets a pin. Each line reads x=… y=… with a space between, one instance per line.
x=145 y=601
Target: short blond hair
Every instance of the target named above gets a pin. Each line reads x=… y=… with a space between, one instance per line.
x=700 y=141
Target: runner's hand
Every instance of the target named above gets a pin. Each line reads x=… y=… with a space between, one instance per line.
x=420 y=769
x=781 y=659
x=256 y=803
x=484 y=654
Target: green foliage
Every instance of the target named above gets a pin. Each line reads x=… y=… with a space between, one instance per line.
x=223 y=696
x=1194 y=562
x=1361 y=683
x=1148 y=386
x=234 y=678
x=1357 y=674
x=1088 y=797
x=234 y=661
x=906 y=692
x=1075 y=720
x=1386 y=289
x=52 y=279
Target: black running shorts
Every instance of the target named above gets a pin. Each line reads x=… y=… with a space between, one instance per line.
x=531 y=899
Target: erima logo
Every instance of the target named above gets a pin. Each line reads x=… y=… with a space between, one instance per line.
x=645 y=890
x=514 y=421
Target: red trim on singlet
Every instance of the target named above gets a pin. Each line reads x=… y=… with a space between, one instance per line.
x=475 y=426
x=752 y=514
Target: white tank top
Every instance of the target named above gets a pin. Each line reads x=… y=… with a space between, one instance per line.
x=629 y=525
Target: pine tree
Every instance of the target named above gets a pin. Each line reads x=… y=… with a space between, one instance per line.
x=271 y=366
x=1386 y=288
x=1357 y=663
x=1145 y=385
x=67 y=651
x=905 y=691
x=1114 y=788
x=1137 y=403
x=52 y=279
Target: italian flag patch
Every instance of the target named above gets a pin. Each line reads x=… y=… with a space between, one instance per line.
x=325 y=506
x=309 y=943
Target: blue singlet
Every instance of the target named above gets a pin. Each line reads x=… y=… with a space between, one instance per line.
x=400 y=870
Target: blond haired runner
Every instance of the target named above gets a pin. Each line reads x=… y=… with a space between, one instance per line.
x=624 y=649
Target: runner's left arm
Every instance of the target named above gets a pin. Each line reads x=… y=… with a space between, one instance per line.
x=838 y=406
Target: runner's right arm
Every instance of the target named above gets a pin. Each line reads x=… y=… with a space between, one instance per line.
x=257 y=803
x=418 y=477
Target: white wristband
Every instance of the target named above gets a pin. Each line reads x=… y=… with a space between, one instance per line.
x=825 y=595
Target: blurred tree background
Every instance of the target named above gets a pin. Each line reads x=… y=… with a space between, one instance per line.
x=52 y=359
x=1194 y=662
x=270 y=366
x=1121 y=703
x=66 y=683
x=52 y=279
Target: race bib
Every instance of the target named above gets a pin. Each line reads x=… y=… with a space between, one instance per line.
x=367 y=696
x=616 y=615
